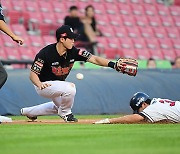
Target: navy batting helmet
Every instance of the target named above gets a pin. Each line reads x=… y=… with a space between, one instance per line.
x=137 y=100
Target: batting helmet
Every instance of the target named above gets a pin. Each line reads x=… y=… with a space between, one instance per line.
x=137 y=100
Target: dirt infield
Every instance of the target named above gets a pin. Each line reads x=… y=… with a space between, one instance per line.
x=51 y=121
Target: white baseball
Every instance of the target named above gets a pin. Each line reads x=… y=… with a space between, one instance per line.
x=79 y=76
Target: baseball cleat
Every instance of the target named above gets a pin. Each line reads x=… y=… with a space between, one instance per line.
x=31 y=118
x=70 y=118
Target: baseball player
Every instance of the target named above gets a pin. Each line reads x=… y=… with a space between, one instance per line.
x=5 y=29
x=148 y=110
x=51 y=67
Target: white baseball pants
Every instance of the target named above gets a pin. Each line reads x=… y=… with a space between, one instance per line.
x=62 y=94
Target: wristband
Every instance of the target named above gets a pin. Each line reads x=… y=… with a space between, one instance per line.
x=111 y=64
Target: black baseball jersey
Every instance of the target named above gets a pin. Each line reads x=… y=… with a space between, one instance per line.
x=50 y=66
x=1 y=13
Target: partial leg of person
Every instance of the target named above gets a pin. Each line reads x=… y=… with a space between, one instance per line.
x=3 y=75
x=62 y=93
x=48 y=108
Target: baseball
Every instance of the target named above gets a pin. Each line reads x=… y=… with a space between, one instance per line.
x=79 y=76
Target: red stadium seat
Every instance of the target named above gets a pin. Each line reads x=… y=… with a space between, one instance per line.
x=146 y=32
x=48 y=39
x=59 y=7
x=60 y=17
x=48 y=17
x=177 y=20
x=124 y=9
x=8 y=42
x=12 y=53
x=115 y=20
x=111 y=8
x=167 y=49
x=176 y=44
x=167 y=21
x=7 y=5
x=102 y=20
x=45 y=6
x=3 y=55
x=139 y=2
x=120 y=32
x=133 y=32
x=128 y=20
x=36 y=41
x=160 y=32
x=173 y=32
x=19 y=29
x=26 y=53
x=141 y=49
x=20 y=6
x=177 y=51
x=107 y=31
x=127 y=48
x=150 y=10
x=154 y=21
x=138 y=9
x=31 y=6
x=141 y=21
x=14 y=16
x=99 y=8
x=154 y=48
x=163 y=10
x=174 y=10
x=150 y=2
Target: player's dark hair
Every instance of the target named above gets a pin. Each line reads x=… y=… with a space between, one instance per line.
x=73 y=8
x=148 y=101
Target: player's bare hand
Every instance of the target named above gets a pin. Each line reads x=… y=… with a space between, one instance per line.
x=44 y=85
x=18 y=39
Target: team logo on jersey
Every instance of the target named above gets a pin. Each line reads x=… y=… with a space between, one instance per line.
x=59 y=71
x=37 y=66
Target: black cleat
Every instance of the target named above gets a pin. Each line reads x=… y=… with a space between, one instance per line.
x=70 y=118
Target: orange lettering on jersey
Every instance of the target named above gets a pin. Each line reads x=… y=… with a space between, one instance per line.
x=58 y=71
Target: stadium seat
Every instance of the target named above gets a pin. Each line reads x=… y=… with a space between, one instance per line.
x=45 y=6
x=159 y=32
x=12 y=53
x=36 y=41
x=3 y=55
x=176 y=43
x=133 y=32
x=150 y=10
x=173 y=32
x=14 y=17
x=124 y=9
x=154 y=21
x=48 y=39
x=102 y=20
x=7 y=5
x=60 y=17
x=146 y=32
x=139 y=2
x=167 y=48
x=114 y=43
x=8 y=41
x=141 y=49
x=163 y=10
x=127 y=48
x=128 y=20
x=163 y=64
x=174 y=10
x=31 y=6
x=141 y=20
x=99 y=8
x=167 y=21
x=48 y=17
x=115 y=20
x=102 y=44
x=19 y=29
x=177 y=20
x=154 y=49
x=107 y=31
x=137 y=9
x=26 y=53
x=58 y=7
x=177 y=51
x=150 y=2
x=120 y=31
x=111 y=8
x=20 y=6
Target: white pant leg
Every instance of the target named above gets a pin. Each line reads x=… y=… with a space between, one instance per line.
x=48 y=108
x=62 y=93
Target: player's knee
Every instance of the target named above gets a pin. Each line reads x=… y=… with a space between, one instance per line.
x=71 y=89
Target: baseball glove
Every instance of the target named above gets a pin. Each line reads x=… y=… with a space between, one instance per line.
x=127 y=66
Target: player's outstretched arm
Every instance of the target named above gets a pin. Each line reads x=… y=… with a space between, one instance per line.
x=6 y=29
x=99 y=61
x=134 y=118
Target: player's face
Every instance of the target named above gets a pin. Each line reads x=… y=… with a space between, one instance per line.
x=144 y=105
x=68 y=43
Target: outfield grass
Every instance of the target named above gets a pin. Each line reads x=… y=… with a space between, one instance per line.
x=89 y=139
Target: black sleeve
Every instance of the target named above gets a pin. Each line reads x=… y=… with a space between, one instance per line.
x=67 y=21
x=81 y=55
x=1 y=13
x=38 y=63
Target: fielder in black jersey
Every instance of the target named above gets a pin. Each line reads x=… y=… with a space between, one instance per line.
x=49 y=71
x=5 y=29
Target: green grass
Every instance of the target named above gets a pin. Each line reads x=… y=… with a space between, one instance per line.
x=89 y=139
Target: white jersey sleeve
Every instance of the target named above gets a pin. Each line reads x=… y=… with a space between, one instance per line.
x=162 y=109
